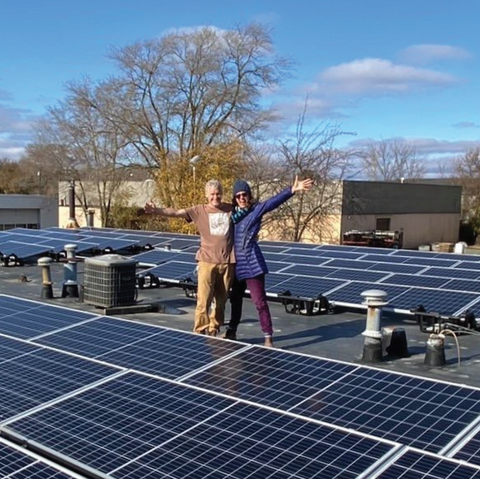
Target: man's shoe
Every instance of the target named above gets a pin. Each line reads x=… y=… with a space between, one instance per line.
x=230 y=334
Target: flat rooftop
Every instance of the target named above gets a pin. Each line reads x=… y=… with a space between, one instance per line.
x=335 y=335
x=114 y=397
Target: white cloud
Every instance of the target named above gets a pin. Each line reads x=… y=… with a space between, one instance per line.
x=378 y=77
x=15 y=131
x=12 y=153
x=422 y=54
x=14 y=120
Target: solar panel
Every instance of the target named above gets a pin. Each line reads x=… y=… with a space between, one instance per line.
x=178 y=432
x=350 y=264
x=415 y=465
x=309 y=287
x=114 y=244
x=27 y=231
x=259 y=444
x=379 y=258
x=27 y=319
x=472 y=265
x=373 y=250
x=18 y=463
x=11 y=348
x=415 y=280
x=182 y=244
x=99 y=233
x=301 y=259
x=272 y=249
x=168 y=235
x=341 y=254
x=155 y=256
x=93 y=339
x=351 y=292
x=306 y=270
x=331 y=247
x=463 y=285
x=274 y=283
x=175 y=271
x=305 y=252
x=414 y=254
x=58 y=245
x=357 y=275
x=451 y=273
x=34 y=377
x=469 y=449
x=417 y=412
x=291 y=244
x=439 y=301
x=274 y=266
x=442 y=263
x=141 y=240
x=459 y=257
x=23 y=250
x=273 y=256
x=271 y=377
x=396 y=268
x=17 y=238
x=150 y=349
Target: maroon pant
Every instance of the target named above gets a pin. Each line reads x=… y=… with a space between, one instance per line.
x=256 y=286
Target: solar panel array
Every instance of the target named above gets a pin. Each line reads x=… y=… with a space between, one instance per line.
x=107 y=397
x=444 y=283
x=29 y=244
x=441 y=282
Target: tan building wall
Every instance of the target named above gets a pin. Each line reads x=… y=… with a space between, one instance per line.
x=64 y=216
x=330 y=231
x=417 y=229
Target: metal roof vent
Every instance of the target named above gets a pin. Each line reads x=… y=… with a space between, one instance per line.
x=109 y=281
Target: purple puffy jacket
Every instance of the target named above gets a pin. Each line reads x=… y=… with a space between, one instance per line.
x=249 y=257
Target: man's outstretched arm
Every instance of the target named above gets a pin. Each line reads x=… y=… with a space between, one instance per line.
x=151 y=209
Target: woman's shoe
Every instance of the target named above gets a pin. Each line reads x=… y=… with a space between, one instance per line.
x=230 y=334
x=268 y=342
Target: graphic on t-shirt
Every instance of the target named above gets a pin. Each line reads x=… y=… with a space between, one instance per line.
x=219 y=224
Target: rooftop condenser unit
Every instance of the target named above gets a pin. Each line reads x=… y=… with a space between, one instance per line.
x=109 y=281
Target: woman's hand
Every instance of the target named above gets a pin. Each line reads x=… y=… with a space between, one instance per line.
x=303 y=185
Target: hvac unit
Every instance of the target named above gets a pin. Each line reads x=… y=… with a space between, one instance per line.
x=109 y=281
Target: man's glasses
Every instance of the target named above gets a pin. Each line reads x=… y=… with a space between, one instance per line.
x=241 y=195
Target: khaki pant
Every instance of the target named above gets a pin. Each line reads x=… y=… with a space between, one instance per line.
x=214 y=282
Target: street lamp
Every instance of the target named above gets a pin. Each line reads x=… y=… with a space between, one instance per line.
x=193 y=161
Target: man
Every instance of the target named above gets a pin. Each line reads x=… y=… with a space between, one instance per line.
x=216 y=259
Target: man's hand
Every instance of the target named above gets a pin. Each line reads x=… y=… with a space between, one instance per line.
x=150 y=207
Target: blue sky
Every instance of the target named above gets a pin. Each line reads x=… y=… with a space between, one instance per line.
x=379 y=68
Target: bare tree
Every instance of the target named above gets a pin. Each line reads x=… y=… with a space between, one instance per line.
x=311 y=153
x=77 y=143
x=392 y=160
x=467 y=172
x=190 y=90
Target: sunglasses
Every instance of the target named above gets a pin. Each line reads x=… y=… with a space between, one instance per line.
x=241 y=195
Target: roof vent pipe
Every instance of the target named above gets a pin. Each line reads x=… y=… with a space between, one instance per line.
x=70 y=285
x=72 y=222
x=375 y=299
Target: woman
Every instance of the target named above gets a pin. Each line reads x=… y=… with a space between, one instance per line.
x=251 y=266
